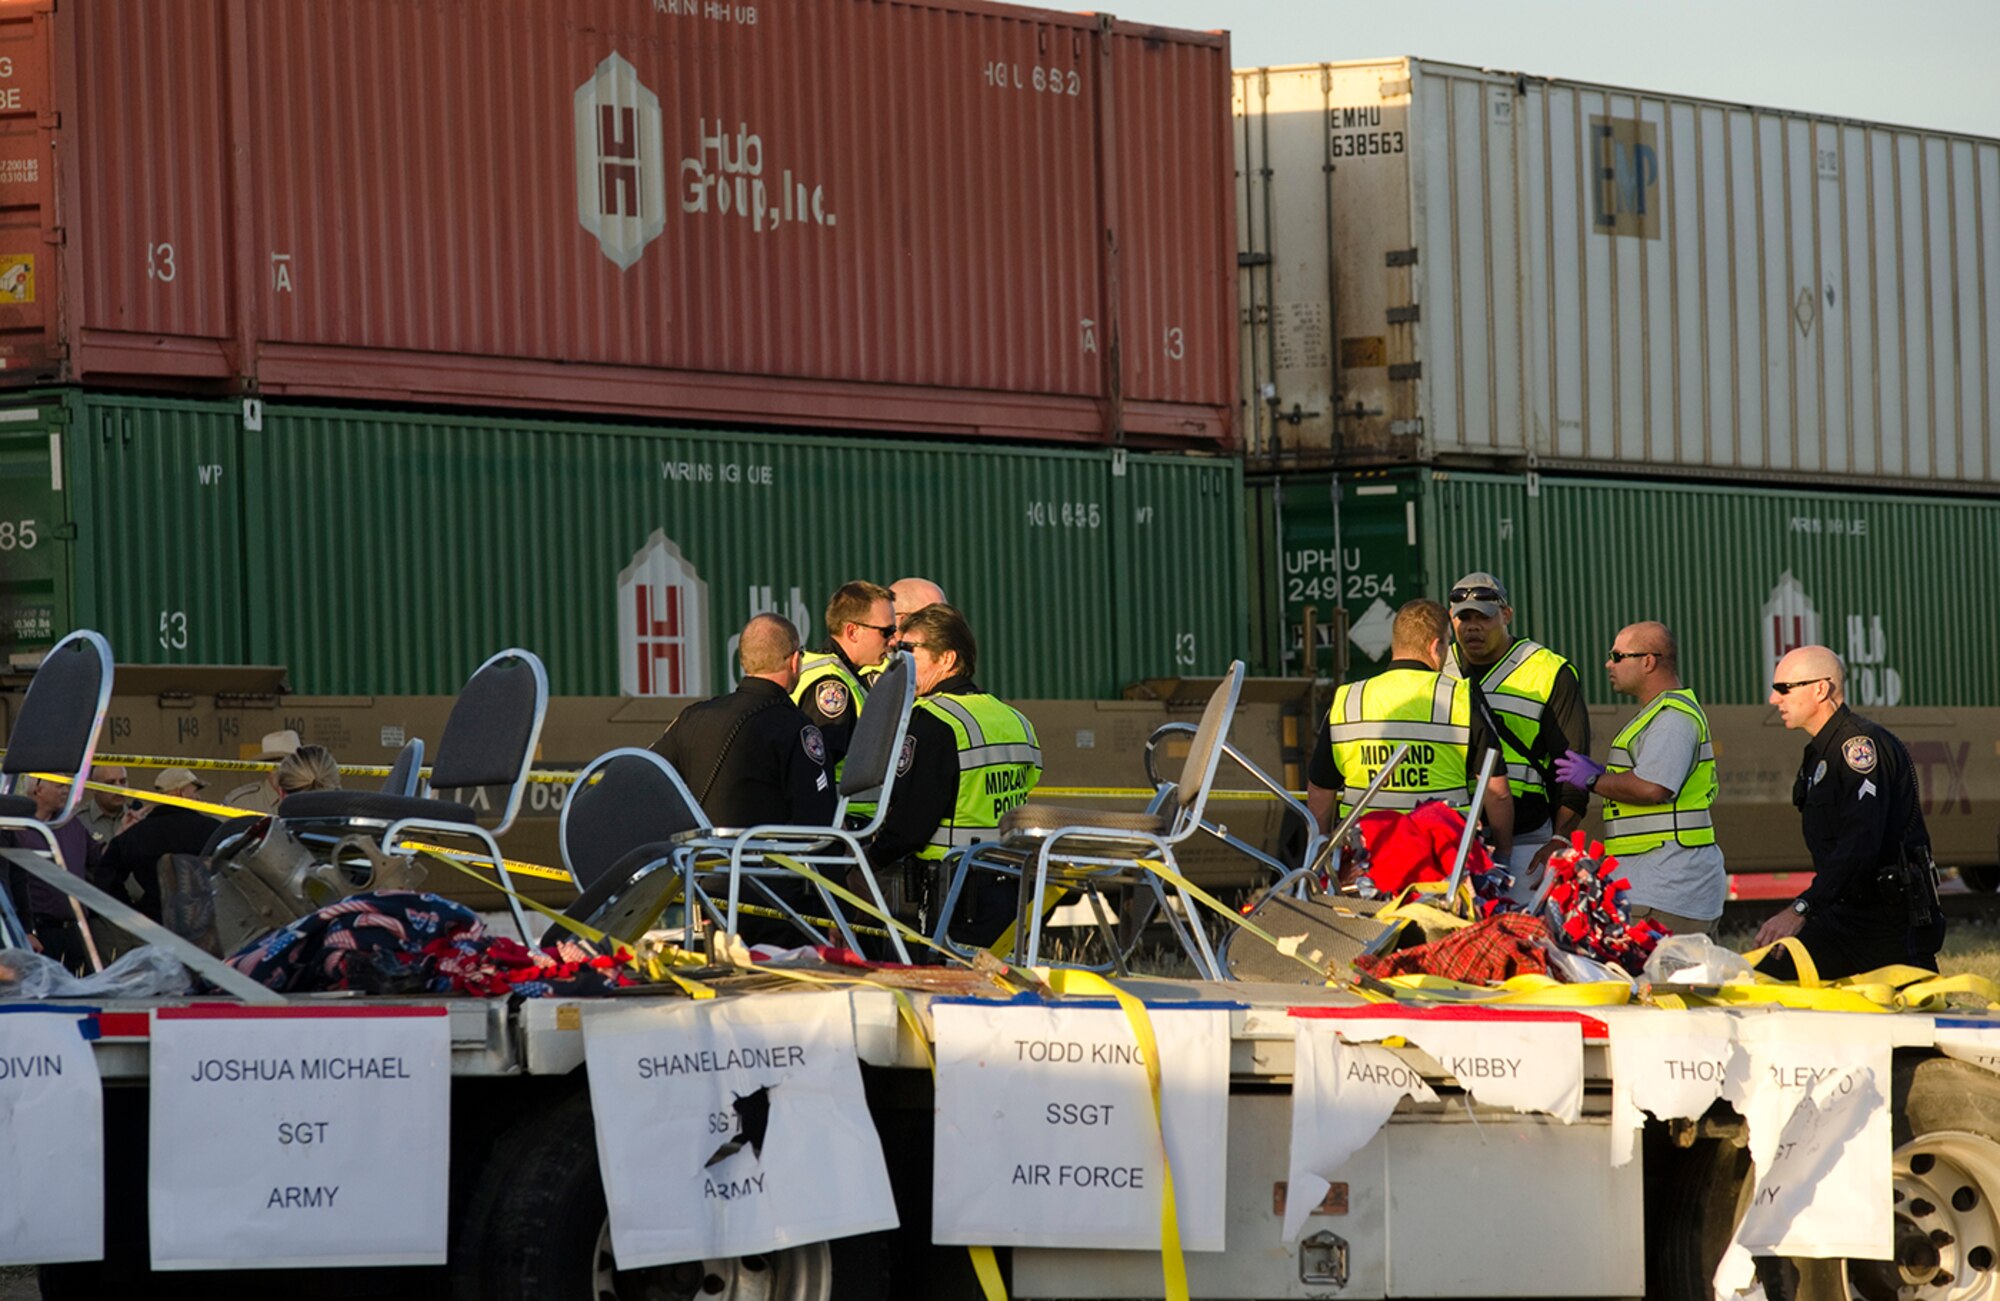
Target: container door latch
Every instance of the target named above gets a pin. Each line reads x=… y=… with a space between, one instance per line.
x=1323 y=1260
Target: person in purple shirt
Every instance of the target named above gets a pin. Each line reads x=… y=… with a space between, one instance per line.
x=45 y=910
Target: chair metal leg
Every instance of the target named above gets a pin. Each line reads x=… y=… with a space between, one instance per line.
x=1103 y=923
x=13 y=935
x=1034 y=954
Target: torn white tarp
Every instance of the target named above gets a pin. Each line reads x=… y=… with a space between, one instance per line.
x=1527 y=1064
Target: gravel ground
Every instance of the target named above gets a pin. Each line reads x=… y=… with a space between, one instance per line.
x=17 y=1283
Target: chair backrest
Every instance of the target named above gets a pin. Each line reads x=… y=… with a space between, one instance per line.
x=1205 y=751
x=878 y=736
x=625 y=798
x=61 y=716
x=489 y=738
x=407 y=771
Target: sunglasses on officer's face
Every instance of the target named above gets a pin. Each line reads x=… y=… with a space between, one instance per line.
x=1619 y=656
x=1785 y=688
x=1476 y=594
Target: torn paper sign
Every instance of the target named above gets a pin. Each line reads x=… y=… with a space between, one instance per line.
x=1977 y=1042
x=1342 y=1095
x=1825 y=1193
x=1529 y=1065
x=1671 y=1064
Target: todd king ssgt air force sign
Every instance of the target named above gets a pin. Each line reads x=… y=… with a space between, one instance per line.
x=730 y=1127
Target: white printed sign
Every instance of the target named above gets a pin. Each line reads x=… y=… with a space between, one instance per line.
x=1046 y=1134
x=1672 y=1064
x=1342 y=1095
x=733 y=1126
x=1977 y=1042
x=1527 y=1064
x=51 y=1141
x=1833 y=1196
x=294 y=1138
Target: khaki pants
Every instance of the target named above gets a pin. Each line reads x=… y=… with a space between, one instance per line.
x=1676 y=923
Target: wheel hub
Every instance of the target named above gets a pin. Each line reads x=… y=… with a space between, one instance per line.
x=1947 y=1227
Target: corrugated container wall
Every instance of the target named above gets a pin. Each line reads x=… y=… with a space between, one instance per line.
x=1896 y=584
x=961 y=218
x=386 y=553
x=1444 y=264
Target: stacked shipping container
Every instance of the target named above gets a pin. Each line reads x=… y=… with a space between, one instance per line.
x=950 y=218
x=1445 y=264
x=377 y=552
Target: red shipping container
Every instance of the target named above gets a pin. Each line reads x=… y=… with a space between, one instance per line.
x=943 y=217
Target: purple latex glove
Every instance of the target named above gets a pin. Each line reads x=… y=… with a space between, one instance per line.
x=1578 y=770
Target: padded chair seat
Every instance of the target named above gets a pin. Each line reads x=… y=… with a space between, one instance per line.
x=373 y=805
x=1041 y=819
x=617 y=879
x=17 y=806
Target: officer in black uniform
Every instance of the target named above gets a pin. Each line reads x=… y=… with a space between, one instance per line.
x=1873 y=898
x=752 y=757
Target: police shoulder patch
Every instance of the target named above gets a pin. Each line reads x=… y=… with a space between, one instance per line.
x=831 y=696
x=907 y=757
x=1859 y=751
x=814 y=743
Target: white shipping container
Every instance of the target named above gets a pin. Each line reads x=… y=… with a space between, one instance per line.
x=1444 y=263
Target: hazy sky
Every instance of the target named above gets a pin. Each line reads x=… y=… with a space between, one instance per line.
x=1925 y=63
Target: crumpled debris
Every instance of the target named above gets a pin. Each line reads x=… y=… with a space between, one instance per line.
x=408 y=942
x=145 y=972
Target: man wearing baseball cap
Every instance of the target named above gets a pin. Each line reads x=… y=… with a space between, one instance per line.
x=262 y=795
x=134 y=854
x=1533 y=701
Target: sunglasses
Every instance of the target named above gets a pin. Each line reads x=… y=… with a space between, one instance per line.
x=1619 y=656
x=1785 y=688
x=1476 y=594
x=888 y=630
x=915 y=645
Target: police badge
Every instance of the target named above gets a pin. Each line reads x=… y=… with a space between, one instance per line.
x=814 y=743
x=1859 y=751
x=831 y=697
x=908 y=755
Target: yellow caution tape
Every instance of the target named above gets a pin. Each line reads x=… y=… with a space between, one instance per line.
x=1544 y=991
x=1173 y=1262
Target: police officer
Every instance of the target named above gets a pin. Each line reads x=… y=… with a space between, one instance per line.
x=1873 y=897
x=1530 y=696
x=911 y=595
x=1658 y=788
x=860 y=629
x=969 y=757
x=753 y=757
x=1409 y=701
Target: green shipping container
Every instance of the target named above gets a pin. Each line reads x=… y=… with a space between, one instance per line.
x=376 y=552
x=1906 y=588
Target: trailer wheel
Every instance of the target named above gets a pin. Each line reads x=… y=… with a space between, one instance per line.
x=1947 y=1187
x=539 y=1232
x=1694 y=1198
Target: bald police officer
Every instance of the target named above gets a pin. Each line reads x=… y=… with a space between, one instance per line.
x=1873 y=898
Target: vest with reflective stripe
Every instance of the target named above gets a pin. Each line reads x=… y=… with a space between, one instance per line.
x=813 y=670
x=1517 y=690
x=1636 y=828
x=1430 y=711
x=999 y=762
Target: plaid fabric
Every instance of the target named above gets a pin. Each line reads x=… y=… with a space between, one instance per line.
x=1490 y=950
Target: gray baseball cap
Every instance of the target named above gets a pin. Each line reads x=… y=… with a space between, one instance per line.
x=1479 y=591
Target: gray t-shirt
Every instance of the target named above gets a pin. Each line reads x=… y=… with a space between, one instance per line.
x=1673 y=878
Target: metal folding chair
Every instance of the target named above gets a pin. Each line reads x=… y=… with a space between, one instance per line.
x=56 y=733
x=1087 y=850
x=489 y=740
x=868 y=773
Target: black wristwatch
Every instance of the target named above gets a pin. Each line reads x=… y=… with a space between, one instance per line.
x=1801 y=907
x=1591 y=785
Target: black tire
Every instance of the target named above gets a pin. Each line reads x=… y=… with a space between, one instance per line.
x=1984 y=879
x=1694 y=1196
x=535 y=1229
